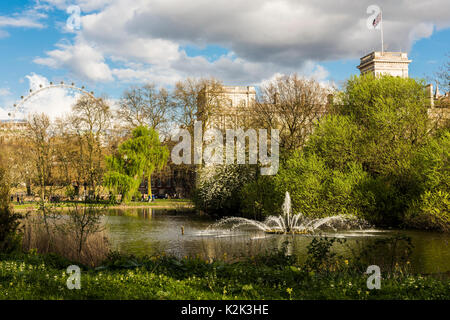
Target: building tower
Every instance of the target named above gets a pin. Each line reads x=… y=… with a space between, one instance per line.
x=391 y=63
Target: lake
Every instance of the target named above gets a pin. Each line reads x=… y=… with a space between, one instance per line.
x=152 y=232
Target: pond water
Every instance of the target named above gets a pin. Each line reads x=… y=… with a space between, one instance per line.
x=151 y=232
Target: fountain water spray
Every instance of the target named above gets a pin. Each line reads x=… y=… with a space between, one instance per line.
x=294 y=224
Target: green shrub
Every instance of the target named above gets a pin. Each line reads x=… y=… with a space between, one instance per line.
x=431 y=163
x=219 y=188
x=431 y=211
x=317 y=190
x=260 y=198
x=9 y=221
x=337 y=141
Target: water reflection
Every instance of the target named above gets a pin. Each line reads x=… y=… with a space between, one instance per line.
x=149 y=231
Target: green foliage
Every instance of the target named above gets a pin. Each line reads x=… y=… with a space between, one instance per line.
x=137 y=157
x=320 y=256
x=120 y=183
x=391 y=113
x=431 y=170
x=431 y=211
x=336 y=140
x=374 y=157
x=275 y=276
x=9 y=221
x=219 y=188
x=317 y=190
x=431 y=163
x=259 y=199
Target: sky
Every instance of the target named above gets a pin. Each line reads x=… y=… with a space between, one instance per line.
x=109 y=46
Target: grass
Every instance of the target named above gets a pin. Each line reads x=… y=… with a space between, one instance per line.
x=161 y=203
x=33 y=276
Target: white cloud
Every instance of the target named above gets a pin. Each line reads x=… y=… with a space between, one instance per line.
x=27 y=19
x=144 y=39
x=81 y=59
x=55 y=102
x=26 y=22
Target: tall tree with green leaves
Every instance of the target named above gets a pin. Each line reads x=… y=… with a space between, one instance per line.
x=135 y=158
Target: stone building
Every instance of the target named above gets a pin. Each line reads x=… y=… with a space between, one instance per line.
x=392 y=63
x=11 y=129
x=230 y=104
x=233 y=103
x=396 y=64
x=439 y=105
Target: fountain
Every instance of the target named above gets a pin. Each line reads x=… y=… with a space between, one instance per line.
x=294 y=224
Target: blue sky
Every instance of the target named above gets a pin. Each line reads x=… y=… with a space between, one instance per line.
x=122 y=43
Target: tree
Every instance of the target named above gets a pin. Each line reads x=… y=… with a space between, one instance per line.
x=219 y=187
x=88 y=125
x=392 y=114
x=293 y=105
x=40 y=137
x=9 y=221
x=136 y=158
x=362 y=159
x=145 y=106
x=83 y=222
x=443 y=75
x=197 y=100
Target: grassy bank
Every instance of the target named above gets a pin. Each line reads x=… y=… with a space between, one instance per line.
x=32 y=276
x=156 y=204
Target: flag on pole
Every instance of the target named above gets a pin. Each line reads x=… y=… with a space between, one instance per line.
x=377 y=20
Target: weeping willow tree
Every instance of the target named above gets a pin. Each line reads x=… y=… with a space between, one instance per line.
x=135 y=158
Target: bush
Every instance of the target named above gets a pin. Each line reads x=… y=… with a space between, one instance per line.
x=9 y=221
x=316 y=190
x=337 y=141
x=431 y=169
x=63 y=239
x=260 y=198
x=219 y=188
x=431 y=211
x=431 y=163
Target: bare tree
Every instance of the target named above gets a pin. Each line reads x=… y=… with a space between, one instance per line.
x=88 y=125
x=197 y=99
x=145 y=106
x=40 y=136
x=83 y=222
x=443 y=75
x=292 y=105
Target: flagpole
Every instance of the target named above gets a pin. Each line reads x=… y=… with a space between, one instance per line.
x=382 y=43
